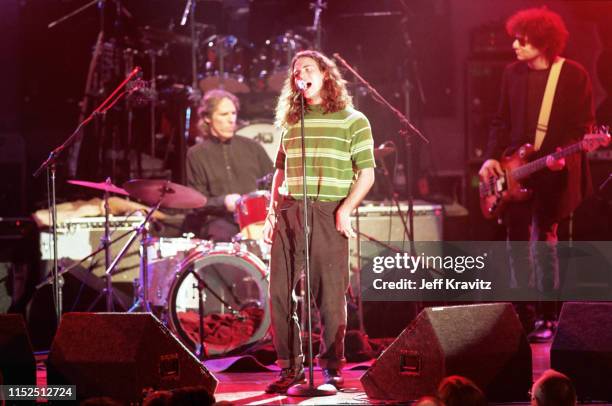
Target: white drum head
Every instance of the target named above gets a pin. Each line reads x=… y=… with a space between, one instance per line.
x=265 y=133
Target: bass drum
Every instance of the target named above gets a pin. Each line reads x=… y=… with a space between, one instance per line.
x=235 y=300
x=265 y=133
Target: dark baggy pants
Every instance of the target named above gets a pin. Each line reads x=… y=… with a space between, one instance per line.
x=532 y=247
x=526 y=223
x=329 y=275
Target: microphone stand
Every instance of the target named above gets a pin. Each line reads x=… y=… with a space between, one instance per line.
x=307 y=390
x=50 y=165
x=406 y=133
x=194 y=94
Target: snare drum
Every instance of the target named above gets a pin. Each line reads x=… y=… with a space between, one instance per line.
x=265 y=133
x=232 y=276
x=251 y=212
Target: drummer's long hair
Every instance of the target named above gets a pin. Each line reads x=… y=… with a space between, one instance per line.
x=208 y=105
x=334 y=94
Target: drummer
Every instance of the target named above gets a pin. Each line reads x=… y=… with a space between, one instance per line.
x=222 y=167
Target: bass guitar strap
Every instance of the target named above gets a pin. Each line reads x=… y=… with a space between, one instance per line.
x=547 y=100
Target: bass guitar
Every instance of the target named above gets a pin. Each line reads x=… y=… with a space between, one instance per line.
x=497 y=191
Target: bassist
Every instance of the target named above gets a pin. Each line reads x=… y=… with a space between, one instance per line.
x=539 y=37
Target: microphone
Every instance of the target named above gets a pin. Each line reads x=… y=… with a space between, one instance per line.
x=301 y=85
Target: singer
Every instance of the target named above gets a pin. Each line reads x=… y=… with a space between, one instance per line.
x=222 y=167
x=340 y=171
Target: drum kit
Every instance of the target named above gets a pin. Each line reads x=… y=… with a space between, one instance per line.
x=255 y=74
x=214 y=296
x=223 y=61
x=239 y=68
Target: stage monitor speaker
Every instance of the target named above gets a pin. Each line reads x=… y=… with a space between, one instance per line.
x=483 y=342
x=582 y=348
x=17 y=364
x=122 y=355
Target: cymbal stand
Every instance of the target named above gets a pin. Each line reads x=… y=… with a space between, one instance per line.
x=121 y=298
x=107 y=254
x=141 y=231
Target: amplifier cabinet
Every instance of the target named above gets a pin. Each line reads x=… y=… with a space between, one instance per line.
x=383 y=222
x=79 y=237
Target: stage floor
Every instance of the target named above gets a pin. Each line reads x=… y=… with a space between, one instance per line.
x=247 y=388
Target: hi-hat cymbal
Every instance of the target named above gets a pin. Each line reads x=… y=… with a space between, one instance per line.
x=175 y=196
x=106 y=187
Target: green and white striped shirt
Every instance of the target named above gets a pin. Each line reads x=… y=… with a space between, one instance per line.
x=338 y=145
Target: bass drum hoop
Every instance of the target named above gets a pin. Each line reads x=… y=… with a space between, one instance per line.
x=234 y=256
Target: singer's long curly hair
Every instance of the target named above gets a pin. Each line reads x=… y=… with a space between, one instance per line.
x=209 y=103
x=544 y=29
x=334 y=94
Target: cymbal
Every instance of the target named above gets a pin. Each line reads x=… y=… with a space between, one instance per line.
x=175 y=196
x=106 y=187
x=382 y=152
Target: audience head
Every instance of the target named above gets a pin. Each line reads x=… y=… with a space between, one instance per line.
x=428 y=401
x=553 y=388
x=457 y=390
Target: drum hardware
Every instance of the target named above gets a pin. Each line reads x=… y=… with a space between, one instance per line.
x=257 y=247
x=235 y=309
x=168 y=194
x=250 y=214
x=201 y=285
x=318 y=7
x=151 y=35
x=164 y=256
x=265 y=182
x=224 y=60
x=161 y=193
x=265 y=133
x=121 y=298
x=107 y=187
x=274 y=59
